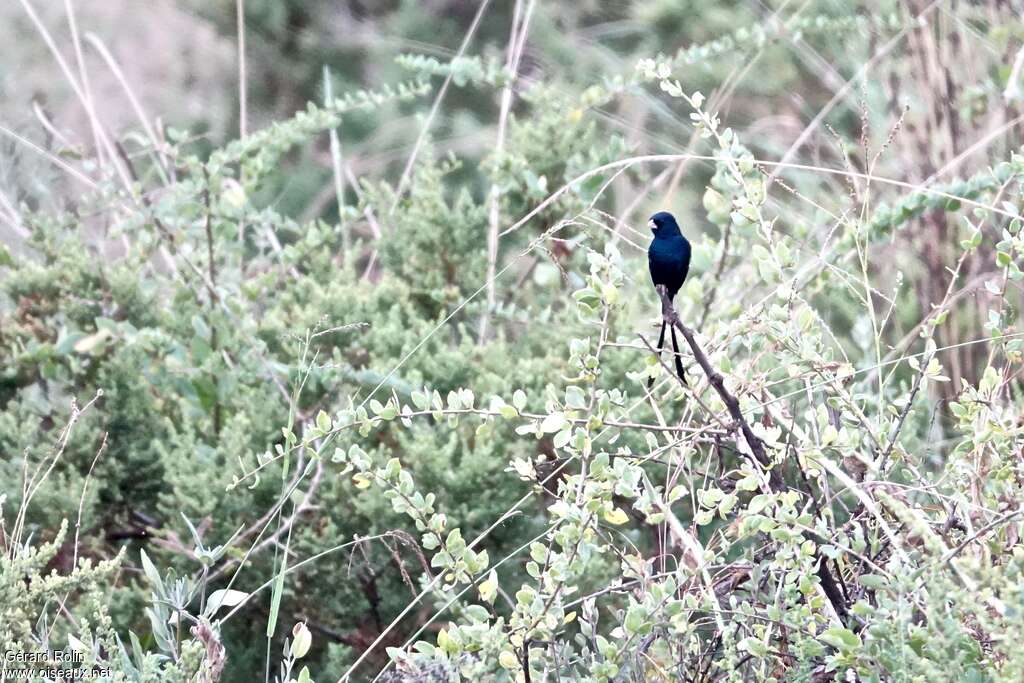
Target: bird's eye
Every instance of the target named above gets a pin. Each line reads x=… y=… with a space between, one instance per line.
x=652 y=225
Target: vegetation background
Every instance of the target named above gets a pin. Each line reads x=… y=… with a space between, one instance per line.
x=325 y=326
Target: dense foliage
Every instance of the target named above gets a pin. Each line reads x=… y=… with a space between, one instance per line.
x=275 y=408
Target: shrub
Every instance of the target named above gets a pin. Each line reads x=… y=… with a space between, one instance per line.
x=327 y=447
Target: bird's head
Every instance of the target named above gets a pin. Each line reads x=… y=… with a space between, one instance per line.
x=663 y=224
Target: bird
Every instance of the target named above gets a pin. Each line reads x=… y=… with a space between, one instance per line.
x=668 y=258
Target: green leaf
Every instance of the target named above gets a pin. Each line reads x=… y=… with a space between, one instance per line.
x=201 y=328
x=489 y=587
x=223 y=598
x=275 y=601
x=301 y=640
x=760 y=502
x=519 y=399
x=575 y=398
x=151 y=573
x=92 y=342
x=873 y=581
x=754 y=646
x=507 y=660
x=553 y=423
x=477 y=614
x=635 y=620
x=840 y=638
x=616 y=516
x=421 y=400
x=677 y=492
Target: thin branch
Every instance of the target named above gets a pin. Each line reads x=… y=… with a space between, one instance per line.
x=903 y=416
x=82 y=73
x=716 y=380
x=105 y=143
x=140 y=113
x=336 y=166
x=845 y=90
x=757 y=450
x=410 y=164
x=981 y=532
x=243 y=103
x=517 y=41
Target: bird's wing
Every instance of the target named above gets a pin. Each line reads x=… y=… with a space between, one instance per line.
x=668 y=258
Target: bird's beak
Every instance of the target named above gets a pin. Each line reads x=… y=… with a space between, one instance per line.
x=652 y=226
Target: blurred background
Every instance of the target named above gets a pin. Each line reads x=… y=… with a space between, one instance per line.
x=169 y=229
x=179 y=62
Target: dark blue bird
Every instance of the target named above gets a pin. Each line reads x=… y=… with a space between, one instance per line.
x=669 y=261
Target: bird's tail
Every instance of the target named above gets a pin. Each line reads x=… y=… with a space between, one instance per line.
x=678 y=357
x=675 y=354
x=659 y=347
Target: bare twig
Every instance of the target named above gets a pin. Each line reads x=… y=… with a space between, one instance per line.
x=336 y=167
x=115 y=68
x=516 y=42
x=243 y=112
x=411 y=163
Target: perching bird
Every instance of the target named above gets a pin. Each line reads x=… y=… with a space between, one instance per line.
x=669 y=261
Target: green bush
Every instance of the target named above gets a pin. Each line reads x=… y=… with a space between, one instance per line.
x=244 y=439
